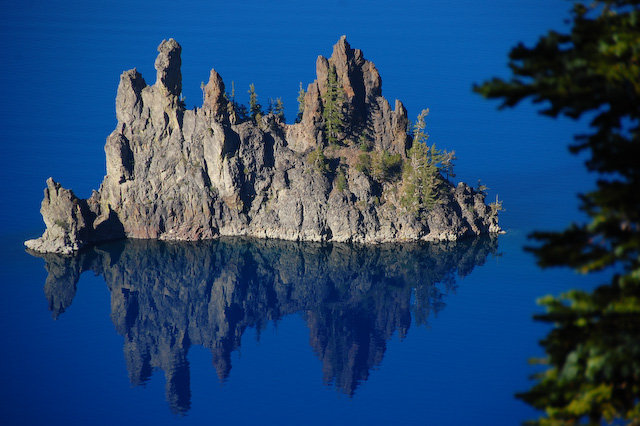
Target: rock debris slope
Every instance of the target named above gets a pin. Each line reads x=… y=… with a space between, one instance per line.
x=179 y=174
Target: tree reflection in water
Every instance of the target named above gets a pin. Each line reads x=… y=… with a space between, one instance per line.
x=168 y=296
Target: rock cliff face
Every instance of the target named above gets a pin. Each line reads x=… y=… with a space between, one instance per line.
x=180 y=174
x=168 y=296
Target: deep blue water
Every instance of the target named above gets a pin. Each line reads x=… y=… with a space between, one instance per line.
x=339 y=351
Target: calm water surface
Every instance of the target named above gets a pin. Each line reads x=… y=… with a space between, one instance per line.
x=298 y=332
x=245 y=331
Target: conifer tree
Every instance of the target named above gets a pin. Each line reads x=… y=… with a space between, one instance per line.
x=592 y=362
x=421 y=177
x=300 y=104
x=333 y=102
x=448 y=164
x=255 y=109
x=278 y=109
x=233 y=108
x=385 y=167
x=317 y=160
x=242 y=112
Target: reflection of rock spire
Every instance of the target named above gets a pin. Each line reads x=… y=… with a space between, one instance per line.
x=63 y=274
x=60 y=286
x=167 y=296
x=176 y=372
x=350 y=338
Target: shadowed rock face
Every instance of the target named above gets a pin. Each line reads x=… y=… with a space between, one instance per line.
x=178 y=174
x=166 y=297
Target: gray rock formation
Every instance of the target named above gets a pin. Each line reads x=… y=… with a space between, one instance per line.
x=181 y=174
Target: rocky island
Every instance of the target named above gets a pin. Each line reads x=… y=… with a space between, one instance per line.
x=348 y=170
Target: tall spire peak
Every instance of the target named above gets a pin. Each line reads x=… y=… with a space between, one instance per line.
x=168 y=65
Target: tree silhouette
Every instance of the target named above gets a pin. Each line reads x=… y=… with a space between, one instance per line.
x=255 y=109
x=593 y=352
x=278 y=109
x=300 y=104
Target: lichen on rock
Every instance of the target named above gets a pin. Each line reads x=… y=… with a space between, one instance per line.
x=180 y=174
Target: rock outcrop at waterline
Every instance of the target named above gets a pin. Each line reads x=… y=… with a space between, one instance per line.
x=181 y=174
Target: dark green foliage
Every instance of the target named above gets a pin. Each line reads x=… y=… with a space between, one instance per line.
x=365 y=143
x=333 y=103
x=241 y=111
x=62 y=224
x=278 y=109
x=318 y=161
x=300 y=104
x=423 y=184
x=420 y=179
x=237 y=112
x=386 y=167
x=593 y=356
x=341 y=180
x=592 y=352
x=447 y=164
x=255 y=109
x=364 y=163
x=234 y=109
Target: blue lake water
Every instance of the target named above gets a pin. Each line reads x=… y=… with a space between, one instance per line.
x=243 y=331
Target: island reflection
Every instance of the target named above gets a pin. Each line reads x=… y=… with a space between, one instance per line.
x=167 y=296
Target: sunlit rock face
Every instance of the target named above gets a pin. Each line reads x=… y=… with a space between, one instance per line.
x=178 y=174
x=167 y=296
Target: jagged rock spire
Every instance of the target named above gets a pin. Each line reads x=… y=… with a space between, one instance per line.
x=168 y=65
x=214 y=97
x=367 y=112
